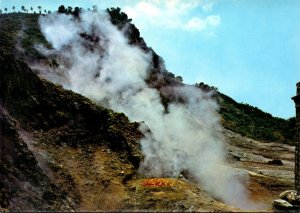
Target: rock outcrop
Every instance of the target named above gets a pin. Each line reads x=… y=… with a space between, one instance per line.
x=37 y=119
x=289 y=200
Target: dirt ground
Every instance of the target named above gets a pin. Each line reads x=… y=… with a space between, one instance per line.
x=267 y=177
x=105 y=181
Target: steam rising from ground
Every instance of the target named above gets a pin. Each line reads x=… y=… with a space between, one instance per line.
x=95 y=60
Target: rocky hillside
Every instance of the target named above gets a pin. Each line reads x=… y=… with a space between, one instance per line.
x=60 y=151
x=34 y=111
x=252 y=122
x=20 y=34
x=239 y=117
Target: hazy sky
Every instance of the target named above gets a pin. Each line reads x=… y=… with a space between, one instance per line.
x=249 y=49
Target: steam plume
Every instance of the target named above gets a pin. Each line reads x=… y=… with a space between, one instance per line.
x=95 y=60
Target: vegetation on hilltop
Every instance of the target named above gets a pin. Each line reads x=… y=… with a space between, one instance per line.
x=252 y=122
x=19 y=35
x=25 y=10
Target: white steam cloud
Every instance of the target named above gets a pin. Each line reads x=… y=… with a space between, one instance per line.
x=95 y=60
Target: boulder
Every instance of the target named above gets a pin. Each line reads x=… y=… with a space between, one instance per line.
x=282 y=204
x=291 y=196
x=285 y=193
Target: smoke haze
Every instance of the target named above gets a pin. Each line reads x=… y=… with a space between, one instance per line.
x=96 y=60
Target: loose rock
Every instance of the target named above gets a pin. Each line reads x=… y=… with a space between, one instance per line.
x=282 y=204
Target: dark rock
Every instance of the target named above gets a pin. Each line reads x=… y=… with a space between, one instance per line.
x=281 y=204
x=237 y=158
x=285 y=193
x=275 y=162
x=291 y=196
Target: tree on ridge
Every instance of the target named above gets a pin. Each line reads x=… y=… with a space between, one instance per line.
x=23 y=8
x=40 y=9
